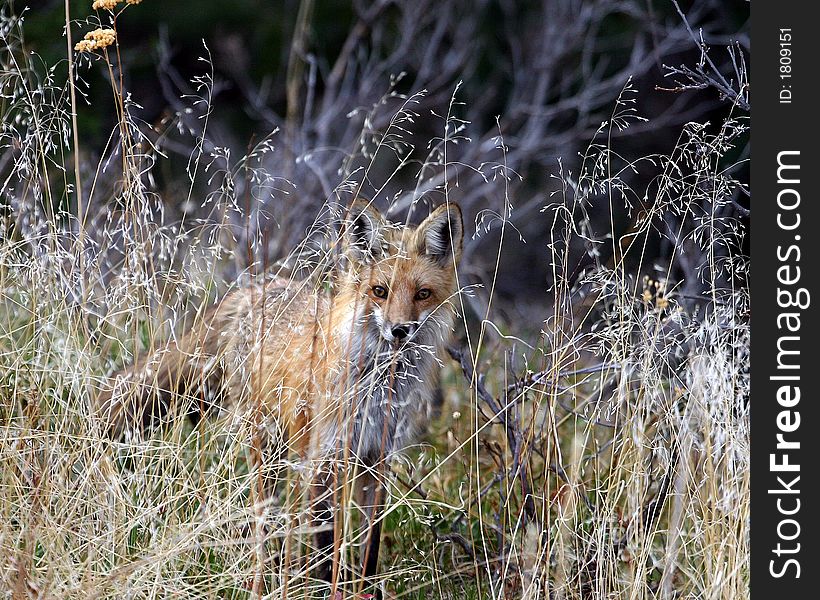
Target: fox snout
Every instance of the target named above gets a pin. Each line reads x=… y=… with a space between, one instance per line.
x=399 y=332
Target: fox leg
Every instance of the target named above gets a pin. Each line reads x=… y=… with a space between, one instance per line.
x=371 y=494
x=325 y=513
x=323 y=519
x=325 y=509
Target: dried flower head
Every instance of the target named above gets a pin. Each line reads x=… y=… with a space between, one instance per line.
x=105 y=4
x=655 y=291
x=96 y=40
x=133 y=1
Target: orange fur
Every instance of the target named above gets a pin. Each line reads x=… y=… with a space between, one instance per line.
x=297 y=353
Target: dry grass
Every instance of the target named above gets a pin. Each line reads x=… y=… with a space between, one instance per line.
x=600 y=451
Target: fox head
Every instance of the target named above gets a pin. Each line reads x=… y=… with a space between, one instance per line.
x=404 y=276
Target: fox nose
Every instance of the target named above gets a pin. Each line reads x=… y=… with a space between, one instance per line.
x=400 y=332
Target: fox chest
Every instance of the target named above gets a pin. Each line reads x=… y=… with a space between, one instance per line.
x=388 y=412
x=371 y=410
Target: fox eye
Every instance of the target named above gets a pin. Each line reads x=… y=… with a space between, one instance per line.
x=379 y=291
x=423 y=294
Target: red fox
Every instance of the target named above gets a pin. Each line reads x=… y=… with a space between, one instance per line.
x=350 y=371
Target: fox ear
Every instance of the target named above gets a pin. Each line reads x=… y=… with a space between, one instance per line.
x=440 y=236
x=362 y=232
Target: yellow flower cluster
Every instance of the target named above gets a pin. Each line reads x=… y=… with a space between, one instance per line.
x=110 y=4
x=655 y=290
x=96 y=40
